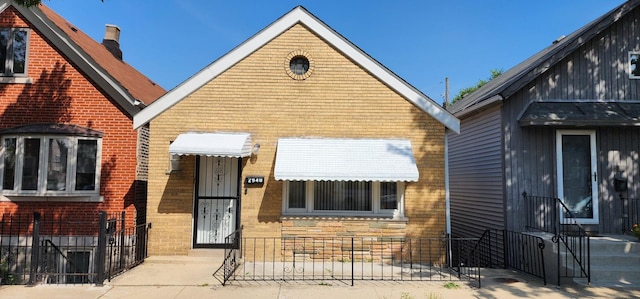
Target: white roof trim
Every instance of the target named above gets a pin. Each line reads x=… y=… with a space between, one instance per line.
x=297 y=15
x=381 y=160
x=235 y=145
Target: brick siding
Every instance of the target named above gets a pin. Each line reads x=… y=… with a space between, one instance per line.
x=338 y=100
x=60 y=93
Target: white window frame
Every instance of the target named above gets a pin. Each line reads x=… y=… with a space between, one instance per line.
x=8 y=63
x=42 y=166
x=375 y=197
x=629 y=66
x=594 y=169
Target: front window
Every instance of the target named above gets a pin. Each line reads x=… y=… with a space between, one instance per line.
x=50 y=165
x=13 y=51
x=343 y=198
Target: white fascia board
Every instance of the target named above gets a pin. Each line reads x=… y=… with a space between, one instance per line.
x=297 y=15
x=213 y=70
x=382 y=73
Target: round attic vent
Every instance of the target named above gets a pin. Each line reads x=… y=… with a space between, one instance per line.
x=299 y=65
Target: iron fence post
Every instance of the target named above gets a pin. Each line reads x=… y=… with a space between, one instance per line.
x=122 y=232
x=35 y=249
x=102 y=249
x=352 y=249
x=506 y=249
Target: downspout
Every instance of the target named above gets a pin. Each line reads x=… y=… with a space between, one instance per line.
x=446 y=185
x=446 y=196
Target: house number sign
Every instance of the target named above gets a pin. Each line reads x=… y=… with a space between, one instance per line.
x=254 y=181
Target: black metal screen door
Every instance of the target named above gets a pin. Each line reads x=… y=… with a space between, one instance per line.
x=217 y=199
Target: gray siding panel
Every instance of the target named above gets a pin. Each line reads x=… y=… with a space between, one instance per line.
x=598 y=70
x=475 y=172
x=488 y=174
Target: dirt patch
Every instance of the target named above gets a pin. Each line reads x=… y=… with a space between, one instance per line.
x=506 y=280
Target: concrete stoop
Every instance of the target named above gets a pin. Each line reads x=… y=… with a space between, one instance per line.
x=194 y=256
x=615 y=261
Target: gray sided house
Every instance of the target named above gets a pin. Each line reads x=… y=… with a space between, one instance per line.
x=564 y=123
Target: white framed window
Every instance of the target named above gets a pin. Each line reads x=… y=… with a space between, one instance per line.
x=634 y=64
x=13 y=51
x=345 y=198
x=50 y=165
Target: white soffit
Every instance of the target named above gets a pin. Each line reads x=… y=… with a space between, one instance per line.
x=235 y=145
x=323 y=159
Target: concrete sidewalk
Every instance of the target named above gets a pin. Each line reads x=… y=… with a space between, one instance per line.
x=189 y=277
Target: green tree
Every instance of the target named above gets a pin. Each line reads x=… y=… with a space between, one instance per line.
x=29 y=3
x=465 y=91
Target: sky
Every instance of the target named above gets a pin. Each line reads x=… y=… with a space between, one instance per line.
x=422 y=41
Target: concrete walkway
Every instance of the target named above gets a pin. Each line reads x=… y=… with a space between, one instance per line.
x=190 y=277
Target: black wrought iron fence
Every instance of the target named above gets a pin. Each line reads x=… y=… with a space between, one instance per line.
x=47 y=249
x=512 y=250
x=350 y=259
x=630 y=213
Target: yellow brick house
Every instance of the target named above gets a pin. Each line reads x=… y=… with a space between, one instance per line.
x=295 y=132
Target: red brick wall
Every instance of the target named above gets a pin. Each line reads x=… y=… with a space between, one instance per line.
x=60 y=93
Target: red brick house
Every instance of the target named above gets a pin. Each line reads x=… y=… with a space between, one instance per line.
x=66 y=112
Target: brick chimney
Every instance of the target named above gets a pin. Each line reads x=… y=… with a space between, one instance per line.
x=111 y=40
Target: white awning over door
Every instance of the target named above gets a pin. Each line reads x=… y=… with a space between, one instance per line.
x=235 y=145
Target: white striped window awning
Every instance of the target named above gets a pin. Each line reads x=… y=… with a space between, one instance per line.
x=235 y=145
x=325 y=159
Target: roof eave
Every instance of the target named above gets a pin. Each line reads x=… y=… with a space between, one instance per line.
x=528 y=70
x=297 y=15
x=79 y=57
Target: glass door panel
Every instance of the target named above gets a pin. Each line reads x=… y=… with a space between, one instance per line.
x=577 y=174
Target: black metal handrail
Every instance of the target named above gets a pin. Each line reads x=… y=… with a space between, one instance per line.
x=576 y=243
x=48 y=249
x=232 y=255
x=49 y=244
x=549 y=214
x=630 y=214
x=511 y=250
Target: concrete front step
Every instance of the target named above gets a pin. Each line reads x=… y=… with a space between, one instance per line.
x=615 y=260
x=618 y=244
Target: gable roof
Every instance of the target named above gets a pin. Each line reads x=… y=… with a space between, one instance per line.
x=297 y=15
x=121 y=81
x=522 y=74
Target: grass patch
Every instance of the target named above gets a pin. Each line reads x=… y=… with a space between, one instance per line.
x=451 y=285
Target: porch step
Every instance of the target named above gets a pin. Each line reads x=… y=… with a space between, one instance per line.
x=206 y=252
x=183 y=259
x=615 y=261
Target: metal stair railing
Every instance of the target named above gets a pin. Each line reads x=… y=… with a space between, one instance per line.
x=548 y=214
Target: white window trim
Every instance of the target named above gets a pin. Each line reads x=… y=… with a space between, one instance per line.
x=8 y=63
x=594 y=164
x=631 y=76
x=69 y=192
x=375 y=195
